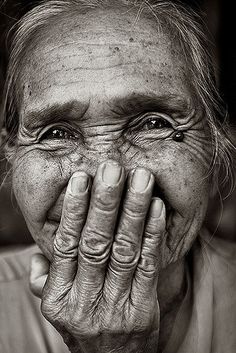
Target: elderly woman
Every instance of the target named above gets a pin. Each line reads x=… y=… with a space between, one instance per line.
x=115 y=141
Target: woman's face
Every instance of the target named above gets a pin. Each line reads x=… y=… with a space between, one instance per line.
x=98 y=87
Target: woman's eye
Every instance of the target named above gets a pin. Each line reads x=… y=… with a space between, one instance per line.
x=58 y=134
x=156 y=123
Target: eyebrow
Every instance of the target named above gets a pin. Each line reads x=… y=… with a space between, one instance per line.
x=137 y=103
x=55 y=113
x=127 y=106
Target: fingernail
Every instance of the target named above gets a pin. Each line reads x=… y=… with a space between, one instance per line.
x=140 y=179
x=156 y=208
x=111 y=173
x=79 y=183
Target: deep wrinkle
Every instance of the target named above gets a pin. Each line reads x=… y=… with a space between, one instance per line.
x=127 y=107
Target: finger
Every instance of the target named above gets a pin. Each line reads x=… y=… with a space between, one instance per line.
x=39 y=268
x=146 y=275
x=97 y=235
x=65 y=255
x=127 y=244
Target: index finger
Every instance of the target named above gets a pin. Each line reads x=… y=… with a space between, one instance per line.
x=97 y=236
x=65 y=250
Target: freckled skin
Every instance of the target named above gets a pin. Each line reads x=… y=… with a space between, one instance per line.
x=101 y=59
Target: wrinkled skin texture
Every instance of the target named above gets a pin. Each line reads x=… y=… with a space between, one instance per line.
x=101 y=80
x=101 y=289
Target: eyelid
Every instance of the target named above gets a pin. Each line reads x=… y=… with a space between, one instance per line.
x=142 y=118
x=60 y=126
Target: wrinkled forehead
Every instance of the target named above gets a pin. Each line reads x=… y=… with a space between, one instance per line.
x=103 y=45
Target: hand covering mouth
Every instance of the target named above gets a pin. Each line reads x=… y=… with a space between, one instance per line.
x=54 y=214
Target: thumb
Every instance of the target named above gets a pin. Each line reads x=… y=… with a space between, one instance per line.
x=39 y=268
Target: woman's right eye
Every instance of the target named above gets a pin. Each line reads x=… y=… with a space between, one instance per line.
x=58 y=134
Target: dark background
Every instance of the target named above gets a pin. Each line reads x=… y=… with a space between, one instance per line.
x=219 y=17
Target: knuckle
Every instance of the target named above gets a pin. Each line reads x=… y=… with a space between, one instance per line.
x=71 y=317
x=125 y=254
x=134 y=214
x=149 y=266
x=69 y=221
x=74 y=206
x=154 y=232
x=135 y=207
x=94 y=245
x=65 y=245
x=69 y=224
x=106 y=201
x=131 y=226
x=153 y=236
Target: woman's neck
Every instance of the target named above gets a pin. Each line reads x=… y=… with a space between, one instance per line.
x=171 y=290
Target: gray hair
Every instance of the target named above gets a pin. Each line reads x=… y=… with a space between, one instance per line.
x=183 y=26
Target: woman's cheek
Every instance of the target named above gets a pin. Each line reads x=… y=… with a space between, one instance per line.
x=182 y=182
x=186 y=187
x=37 y=183
x=180 y=174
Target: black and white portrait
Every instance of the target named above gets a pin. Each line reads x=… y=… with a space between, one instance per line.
x=117 y=201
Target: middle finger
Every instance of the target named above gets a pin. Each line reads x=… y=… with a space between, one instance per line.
x=97 y=235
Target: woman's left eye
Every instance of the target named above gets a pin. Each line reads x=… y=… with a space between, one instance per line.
x=57 y=134
x=156 y=123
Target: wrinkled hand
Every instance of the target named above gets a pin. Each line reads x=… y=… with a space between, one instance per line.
x=100 y=292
